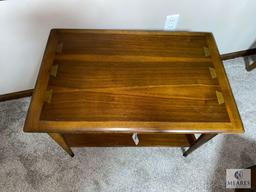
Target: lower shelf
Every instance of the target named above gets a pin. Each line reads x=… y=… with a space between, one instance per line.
x=125 y=139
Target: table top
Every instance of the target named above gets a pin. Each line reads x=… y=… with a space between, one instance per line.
x=132 y=81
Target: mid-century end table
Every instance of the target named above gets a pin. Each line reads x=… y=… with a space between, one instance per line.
x=132 y=88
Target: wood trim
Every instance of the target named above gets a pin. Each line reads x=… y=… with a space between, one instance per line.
x=36 y=105
x=242 y=53
x=125 y=31
x=230 y=103
x=16 y=95
x=134 y=127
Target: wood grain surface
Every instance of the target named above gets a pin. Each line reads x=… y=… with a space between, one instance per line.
x=132 y=81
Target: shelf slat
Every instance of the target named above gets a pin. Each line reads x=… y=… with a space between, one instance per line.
x=125 y=139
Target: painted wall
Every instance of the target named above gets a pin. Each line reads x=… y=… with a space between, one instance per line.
x=25 y=25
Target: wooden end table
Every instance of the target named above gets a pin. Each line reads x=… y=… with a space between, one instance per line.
x=132 y=88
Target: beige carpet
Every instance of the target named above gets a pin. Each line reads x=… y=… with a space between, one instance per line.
x=33 y=162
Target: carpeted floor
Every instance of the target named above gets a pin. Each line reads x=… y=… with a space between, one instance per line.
x=33 y=162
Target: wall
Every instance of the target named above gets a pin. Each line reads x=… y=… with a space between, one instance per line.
x=25 y=25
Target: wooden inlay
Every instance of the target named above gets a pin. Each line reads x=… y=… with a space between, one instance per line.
x=220 y=97
x=48 y=96
x=212 y=72
x=54 y=70
x=206 y=52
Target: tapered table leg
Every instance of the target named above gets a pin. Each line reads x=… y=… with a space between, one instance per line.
x=250 y=67
x=58 y=138
x=203 y=138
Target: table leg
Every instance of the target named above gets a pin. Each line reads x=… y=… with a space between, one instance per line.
x=250 y=67
x=203 y=138
x=58 y=138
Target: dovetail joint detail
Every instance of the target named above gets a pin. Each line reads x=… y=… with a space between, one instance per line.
x=213 y=72
x=54 y=70
x=220 y=97
x=59 y=48
x=206 y=52
x=48 y=96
